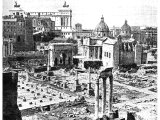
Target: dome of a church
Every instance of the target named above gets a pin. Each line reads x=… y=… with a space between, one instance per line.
x=102 y=28
x=126 y=27
x=126 y=30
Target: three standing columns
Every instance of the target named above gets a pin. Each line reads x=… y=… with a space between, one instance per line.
x=110 y=76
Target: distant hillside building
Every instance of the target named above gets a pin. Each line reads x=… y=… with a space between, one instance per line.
x=62 y=19
x=114 y=31
x=43 y=24
x=80 y=33
x=19 y=31
x=149 y=36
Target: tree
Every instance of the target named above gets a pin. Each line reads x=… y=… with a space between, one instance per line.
x=70 y=40
x=93 y=64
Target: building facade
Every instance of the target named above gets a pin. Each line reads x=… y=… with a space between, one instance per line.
x=43 y=25
x=18 y=28
x=60 y=54
x=79 y=33
x=110 y=54
x=114 y=31
x=7 y=47
x=112 y=51
x=62 y=19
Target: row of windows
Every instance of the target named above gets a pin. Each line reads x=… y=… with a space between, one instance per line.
x=9 y=27
x=65 y=33
x=13 y=30
x=8 y=36
x=9 y=30
x=107 y=54
x=9 y=23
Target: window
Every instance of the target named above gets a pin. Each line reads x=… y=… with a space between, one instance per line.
x=109 y=55
x=17 y=13
x=105 y=54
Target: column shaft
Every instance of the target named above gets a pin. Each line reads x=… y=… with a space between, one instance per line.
x=89 y=80
x=98 y=53
x=110 y=93
x=76 y=75
x=104 y=96
x=97 y=98
x=94 y=54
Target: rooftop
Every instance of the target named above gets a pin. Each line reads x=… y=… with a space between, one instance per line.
x=110 y=41
x=128 y=40
x=61 y=43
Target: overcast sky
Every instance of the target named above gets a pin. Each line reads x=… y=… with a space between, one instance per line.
x=89 y=12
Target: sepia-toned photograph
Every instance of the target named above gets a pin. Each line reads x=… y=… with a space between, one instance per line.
x=79 y=59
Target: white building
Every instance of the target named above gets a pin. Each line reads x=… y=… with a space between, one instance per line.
x=110 y=54
x=62 y=18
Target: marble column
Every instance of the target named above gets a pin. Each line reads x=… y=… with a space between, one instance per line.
x=94 y=53
x=48 y=64
x=98 y=53
x=104 y=96
x=89 y=79
x=97 y=99
x=76 y=75
x=110 y=93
